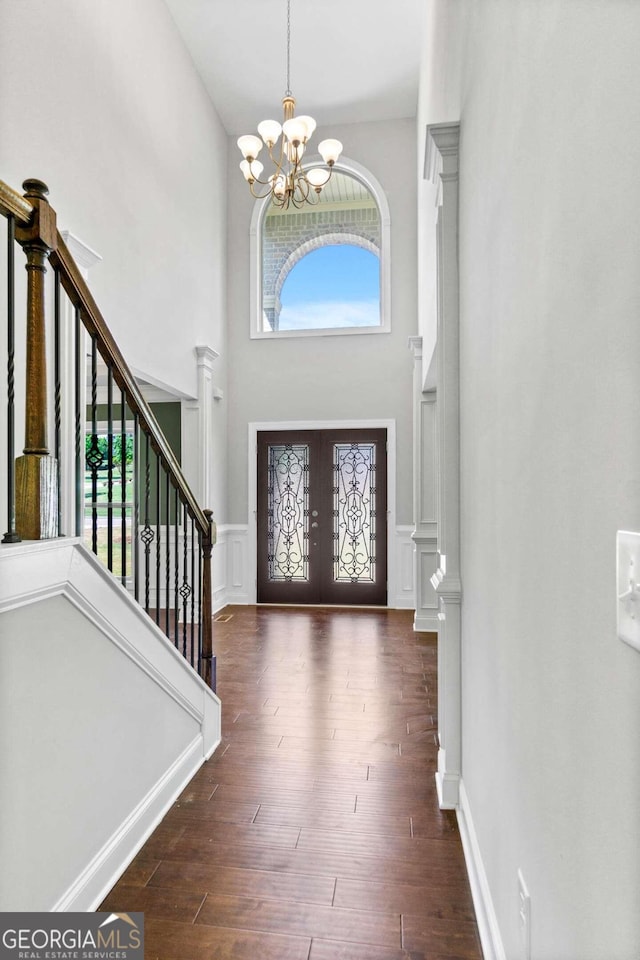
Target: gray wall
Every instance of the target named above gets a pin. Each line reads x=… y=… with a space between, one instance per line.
x=547 y=94
x=110 y=112
x=329 y=377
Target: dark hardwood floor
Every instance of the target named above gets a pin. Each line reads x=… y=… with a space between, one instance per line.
x=314 y=832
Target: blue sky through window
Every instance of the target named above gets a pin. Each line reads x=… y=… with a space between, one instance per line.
x=334 y=286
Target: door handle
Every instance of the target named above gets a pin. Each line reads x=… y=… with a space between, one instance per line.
x=314 y=524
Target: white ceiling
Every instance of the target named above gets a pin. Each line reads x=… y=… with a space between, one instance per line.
x=351 y=60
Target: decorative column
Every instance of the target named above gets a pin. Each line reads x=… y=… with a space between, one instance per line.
x=197 y=426
x=36 y=470
x=85 y=258
x=425 y=481
x=441 y=167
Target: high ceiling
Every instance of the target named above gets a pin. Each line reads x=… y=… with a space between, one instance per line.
x=351 y=60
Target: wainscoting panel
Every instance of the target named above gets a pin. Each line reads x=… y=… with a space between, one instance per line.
x=234 y=567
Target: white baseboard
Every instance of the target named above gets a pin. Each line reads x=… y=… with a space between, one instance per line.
x=492 y=948
x=447 y=784
x=99 y=876
x=426 y=624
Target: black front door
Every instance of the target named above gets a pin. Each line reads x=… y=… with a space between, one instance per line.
x=322 y=517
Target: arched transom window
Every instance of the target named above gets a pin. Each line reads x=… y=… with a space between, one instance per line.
x=320 y=268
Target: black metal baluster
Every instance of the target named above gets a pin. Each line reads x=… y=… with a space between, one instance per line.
x=94 y=456
x=147 y=534
x=167 y=627
x=80 y=421
x=184 y=589
x=158 y=537
x=176 y=570
x=110 y=469
x=135 y=557
x=200 y=618
x=123 y=489
x=11 y=535
x=193 y=592
x=57 y=347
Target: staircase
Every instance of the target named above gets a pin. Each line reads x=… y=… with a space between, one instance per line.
x=107 y=673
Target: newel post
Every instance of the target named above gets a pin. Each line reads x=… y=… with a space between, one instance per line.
x=208 y=660
x=36 y=470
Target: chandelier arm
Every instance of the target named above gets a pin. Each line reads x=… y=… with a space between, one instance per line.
x=260 y=196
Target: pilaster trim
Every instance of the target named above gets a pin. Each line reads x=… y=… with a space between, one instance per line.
x=441 y=152
x=206 y=355
x=415 y=345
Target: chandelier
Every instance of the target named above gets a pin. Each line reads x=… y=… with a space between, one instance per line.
x=290 y=183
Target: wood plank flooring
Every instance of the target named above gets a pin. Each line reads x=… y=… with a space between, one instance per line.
x=314 y=832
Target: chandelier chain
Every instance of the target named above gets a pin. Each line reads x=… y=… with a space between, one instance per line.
x=288 y=90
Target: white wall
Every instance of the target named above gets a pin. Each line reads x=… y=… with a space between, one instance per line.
x=550 y=451
x=102 y=722
x=328 y=378
x=102 y=102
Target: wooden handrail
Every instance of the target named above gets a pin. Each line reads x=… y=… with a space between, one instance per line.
x=80 y=296
x=34 y=501
x=13 y=204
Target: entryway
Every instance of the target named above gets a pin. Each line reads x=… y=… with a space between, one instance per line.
x=322 y=516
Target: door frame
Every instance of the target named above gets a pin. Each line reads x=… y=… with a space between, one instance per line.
x=252 y=460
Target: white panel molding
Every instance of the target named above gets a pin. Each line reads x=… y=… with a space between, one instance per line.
x=231 y=577
x=490 y=938
x=441 y=166
x=64 y=567
x=252 y=539
x=401 y=591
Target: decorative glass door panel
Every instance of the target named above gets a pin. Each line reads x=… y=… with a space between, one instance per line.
x=322 y=517
x=354 y=512
x=288 y=513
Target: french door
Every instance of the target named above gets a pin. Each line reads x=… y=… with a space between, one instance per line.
x=322 y=517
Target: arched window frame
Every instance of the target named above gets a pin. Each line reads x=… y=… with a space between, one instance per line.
x=352 y=169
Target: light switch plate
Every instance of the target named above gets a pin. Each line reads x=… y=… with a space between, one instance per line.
x=628 y=587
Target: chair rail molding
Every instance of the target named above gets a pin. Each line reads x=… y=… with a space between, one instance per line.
x=441 y=167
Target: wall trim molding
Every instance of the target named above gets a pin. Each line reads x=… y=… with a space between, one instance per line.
x=91 y=886
x=441 y=166
x=490 y=938
x=64 y=567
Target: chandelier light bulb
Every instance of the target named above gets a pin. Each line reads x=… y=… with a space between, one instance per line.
x=250 y=146
x=330 y=150
x=309 y=123
x=317 y=177
x=295 y=130
x=269 y=130
x=251 y=170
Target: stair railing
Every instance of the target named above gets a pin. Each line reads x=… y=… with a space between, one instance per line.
x=141 y=518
